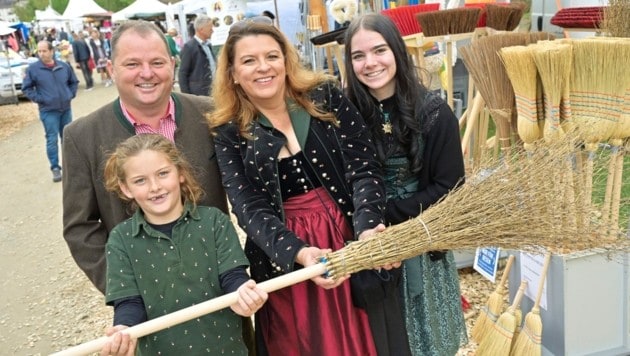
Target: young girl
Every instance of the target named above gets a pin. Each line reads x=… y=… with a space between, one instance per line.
x=171 y=254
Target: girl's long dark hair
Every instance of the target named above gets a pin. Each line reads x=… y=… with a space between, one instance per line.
x=409 y=92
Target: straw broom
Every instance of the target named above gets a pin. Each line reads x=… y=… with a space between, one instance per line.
x=500 y=337
x=521 y=69
x=449 y=21
x=597 y=95
x=529 y=340
x=553 y=62
x=499 y=208
x=490 y=312
x=484 y=65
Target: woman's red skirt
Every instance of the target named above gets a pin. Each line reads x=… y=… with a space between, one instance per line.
x=305 y=319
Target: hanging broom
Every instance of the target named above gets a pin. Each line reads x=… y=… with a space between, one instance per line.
x=521 y=69
x=529 y=340
x=597 y=95
x=490 y=312
x=553 y=62
x=499 y=338
x=498 y=206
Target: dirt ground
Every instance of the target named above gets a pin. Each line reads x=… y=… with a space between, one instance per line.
x=47 y=303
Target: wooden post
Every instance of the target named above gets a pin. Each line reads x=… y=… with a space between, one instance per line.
x=318 y=7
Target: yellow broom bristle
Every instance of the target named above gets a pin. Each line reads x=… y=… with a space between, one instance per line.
x=495 y=305
x=597 y=87
x=521 y=69
x=529 y=340
x=488 y=315
x=553 y=61
x=498 y=341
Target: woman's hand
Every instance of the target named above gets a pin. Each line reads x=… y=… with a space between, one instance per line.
x=120 y=343
x=309 y=256
x=372 y=232
x=250 y=299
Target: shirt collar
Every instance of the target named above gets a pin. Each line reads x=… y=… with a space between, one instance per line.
x=139 y=223
x=170 y=112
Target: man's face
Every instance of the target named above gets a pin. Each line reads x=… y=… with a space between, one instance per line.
x=205 y=32
x=44 y=53
x=142 y=70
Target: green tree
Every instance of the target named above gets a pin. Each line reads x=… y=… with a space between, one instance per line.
x=26 y=12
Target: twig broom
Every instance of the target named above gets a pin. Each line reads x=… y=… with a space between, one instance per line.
x=490 y=312
x=529 y=340
x=500 y=337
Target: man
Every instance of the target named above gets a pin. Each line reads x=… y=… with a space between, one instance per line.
x=81 y=53
x=142 y=69
x=198 y=63
x=52 y=85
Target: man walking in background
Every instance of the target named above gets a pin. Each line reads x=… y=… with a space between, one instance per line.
x=197 y=60
x=52 y=85
x=81 y=53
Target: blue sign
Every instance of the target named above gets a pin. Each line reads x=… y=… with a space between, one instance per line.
x=486 y=262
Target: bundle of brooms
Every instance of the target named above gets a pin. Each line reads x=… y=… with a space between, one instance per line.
x=510 y=206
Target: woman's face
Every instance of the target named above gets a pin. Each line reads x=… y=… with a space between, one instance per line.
x=373 y=63
x=259 y=68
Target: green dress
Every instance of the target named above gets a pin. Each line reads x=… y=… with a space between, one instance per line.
x=430 y=291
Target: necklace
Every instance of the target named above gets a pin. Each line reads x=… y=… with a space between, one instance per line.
x=387 y=125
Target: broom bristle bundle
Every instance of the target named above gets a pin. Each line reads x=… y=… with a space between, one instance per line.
x=450 y=21
x=521 y=69
x=616 y=16
x=500 y=337
x=529 y=340
x=553 y=61
x=597 y=87
x=506 y=205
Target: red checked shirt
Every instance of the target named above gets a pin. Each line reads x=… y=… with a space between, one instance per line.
x=167 y=122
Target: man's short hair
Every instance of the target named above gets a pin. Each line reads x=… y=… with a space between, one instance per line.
x=141 y=27
x=200 y=21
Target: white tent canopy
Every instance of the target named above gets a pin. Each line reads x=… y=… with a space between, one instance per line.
x=81 y=8
x=140 y=8
x=49 y=14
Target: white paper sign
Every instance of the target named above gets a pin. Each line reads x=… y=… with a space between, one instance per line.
x=531 y=268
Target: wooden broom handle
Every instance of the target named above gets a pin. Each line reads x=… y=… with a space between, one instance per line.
x=519 y=295
x=543 y=276
x=197 y=310
x=472 y=119
x=506 y=270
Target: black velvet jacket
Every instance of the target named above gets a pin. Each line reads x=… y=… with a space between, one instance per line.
x=343 y=158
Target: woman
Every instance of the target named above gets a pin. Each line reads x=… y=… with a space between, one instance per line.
x=417 y=140
x=100 y=52
x=300 y=173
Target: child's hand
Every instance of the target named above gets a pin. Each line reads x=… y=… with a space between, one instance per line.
x=250 y=299
x=119 y=344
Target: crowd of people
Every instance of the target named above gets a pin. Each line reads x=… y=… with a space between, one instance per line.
x=307 y=165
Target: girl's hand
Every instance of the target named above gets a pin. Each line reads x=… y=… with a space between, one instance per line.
x=372 y=232
x=250 y=299
x=120 y=343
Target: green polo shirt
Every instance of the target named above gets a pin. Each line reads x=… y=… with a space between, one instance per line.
x=174 y=273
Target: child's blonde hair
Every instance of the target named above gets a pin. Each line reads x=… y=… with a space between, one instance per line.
x=115 y=174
